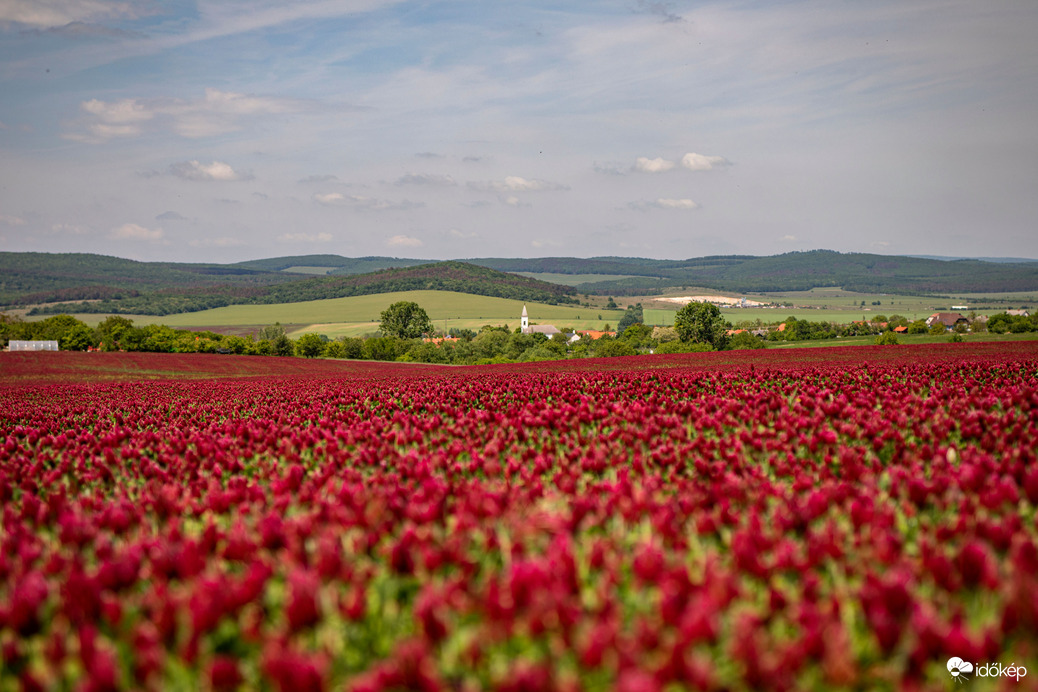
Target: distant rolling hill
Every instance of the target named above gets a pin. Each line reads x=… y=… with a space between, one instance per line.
x=123 y=286
x=794 y=271
x=440 y=276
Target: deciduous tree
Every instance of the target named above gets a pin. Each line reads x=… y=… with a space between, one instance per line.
x=406 y=320
x=702 y=323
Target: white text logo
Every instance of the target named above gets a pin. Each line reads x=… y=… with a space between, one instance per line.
x=961 y=670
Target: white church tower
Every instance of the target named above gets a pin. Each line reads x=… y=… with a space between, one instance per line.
x=525 y=322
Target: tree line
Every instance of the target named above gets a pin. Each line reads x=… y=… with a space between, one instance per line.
x=406 y=330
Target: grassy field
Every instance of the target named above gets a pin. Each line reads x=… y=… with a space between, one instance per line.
x=359 y=315
x=307 y=270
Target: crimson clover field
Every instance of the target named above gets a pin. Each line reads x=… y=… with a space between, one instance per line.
x=818 y=519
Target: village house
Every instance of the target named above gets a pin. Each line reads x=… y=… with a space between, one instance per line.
x=592 y=334
x=438 y=340
x=948 y=319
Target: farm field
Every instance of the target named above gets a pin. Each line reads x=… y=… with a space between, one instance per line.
x=815 y=519
x=837 y=305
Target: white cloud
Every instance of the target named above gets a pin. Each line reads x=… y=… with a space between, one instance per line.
x=118 y=112
x=337 y=199
x=47 y=13
x=217 y=112
x=330 y=199
x=647 y=165
x=788 y=238
x=701 y=162
x=68 y=228
x=537 y=243
x=462 y=235
x=132 y=231
x=217 y=242
x=433 y=179
x=514 y=183
x=665 y=203
x=220 y=111
x=404 y=241
x=305 y=237
x=215 y=171
x=11 y=220
x=691 y=161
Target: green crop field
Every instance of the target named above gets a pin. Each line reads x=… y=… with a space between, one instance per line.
x=307 y=270
x=359 y=315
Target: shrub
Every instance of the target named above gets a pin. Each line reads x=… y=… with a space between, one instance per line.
x=745 y=340
x=682 y=347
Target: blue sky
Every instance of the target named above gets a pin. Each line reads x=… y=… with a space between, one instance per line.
x=239 y=129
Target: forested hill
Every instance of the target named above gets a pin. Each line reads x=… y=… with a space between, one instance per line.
x=40 y=277
x=794 y=271
x=443 y=276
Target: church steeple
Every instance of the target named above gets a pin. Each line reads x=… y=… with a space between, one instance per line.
x=525 y=321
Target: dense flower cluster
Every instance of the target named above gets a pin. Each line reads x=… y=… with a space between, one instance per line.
x=687 y=523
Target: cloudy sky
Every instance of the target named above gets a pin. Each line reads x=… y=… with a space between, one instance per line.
x=204 y=130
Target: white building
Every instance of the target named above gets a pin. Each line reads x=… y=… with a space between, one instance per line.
x=548 y=330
